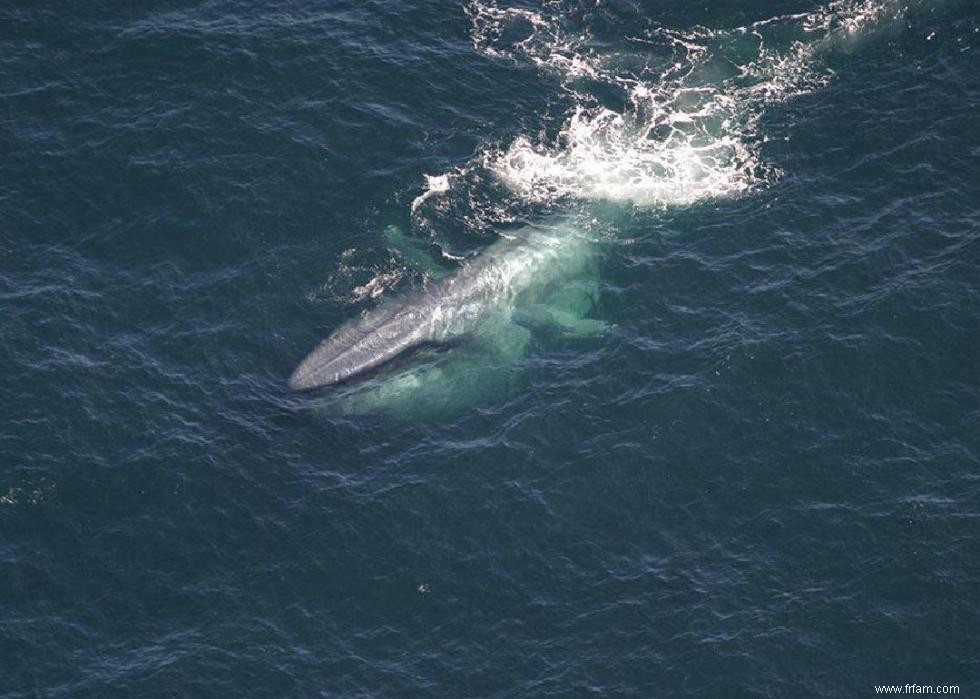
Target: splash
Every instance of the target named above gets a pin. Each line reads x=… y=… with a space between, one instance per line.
x=435 y=184
x=687 y=128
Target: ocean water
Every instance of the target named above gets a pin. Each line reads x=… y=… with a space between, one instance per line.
x=760 y=480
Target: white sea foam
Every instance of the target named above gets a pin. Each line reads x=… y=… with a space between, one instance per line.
x=689 y=127
x=435 y=184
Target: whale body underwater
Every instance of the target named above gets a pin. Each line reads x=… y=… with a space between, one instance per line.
x=538 y=276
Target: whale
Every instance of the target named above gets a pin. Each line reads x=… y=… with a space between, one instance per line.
x=541 y=276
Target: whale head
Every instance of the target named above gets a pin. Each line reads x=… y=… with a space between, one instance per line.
x=360 y=347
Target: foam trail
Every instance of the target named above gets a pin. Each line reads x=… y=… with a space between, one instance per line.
x=689 y=130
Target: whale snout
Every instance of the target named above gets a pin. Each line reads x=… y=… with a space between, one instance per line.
x=357 y=349
x=320 y=368
x=302 y=379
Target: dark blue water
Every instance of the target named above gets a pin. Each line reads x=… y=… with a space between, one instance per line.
x=762 y=480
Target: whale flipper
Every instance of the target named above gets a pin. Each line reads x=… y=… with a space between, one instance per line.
x=562 y=322
x=567 y=311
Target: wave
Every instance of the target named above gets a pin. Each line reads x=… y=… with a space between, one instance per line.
x=686 y=124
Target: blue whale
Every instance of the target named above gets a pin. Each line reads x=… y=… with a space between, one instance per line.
x=538 y=275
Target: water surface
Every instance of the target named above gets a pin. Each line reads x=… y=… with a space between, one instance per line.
x=761 y=482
